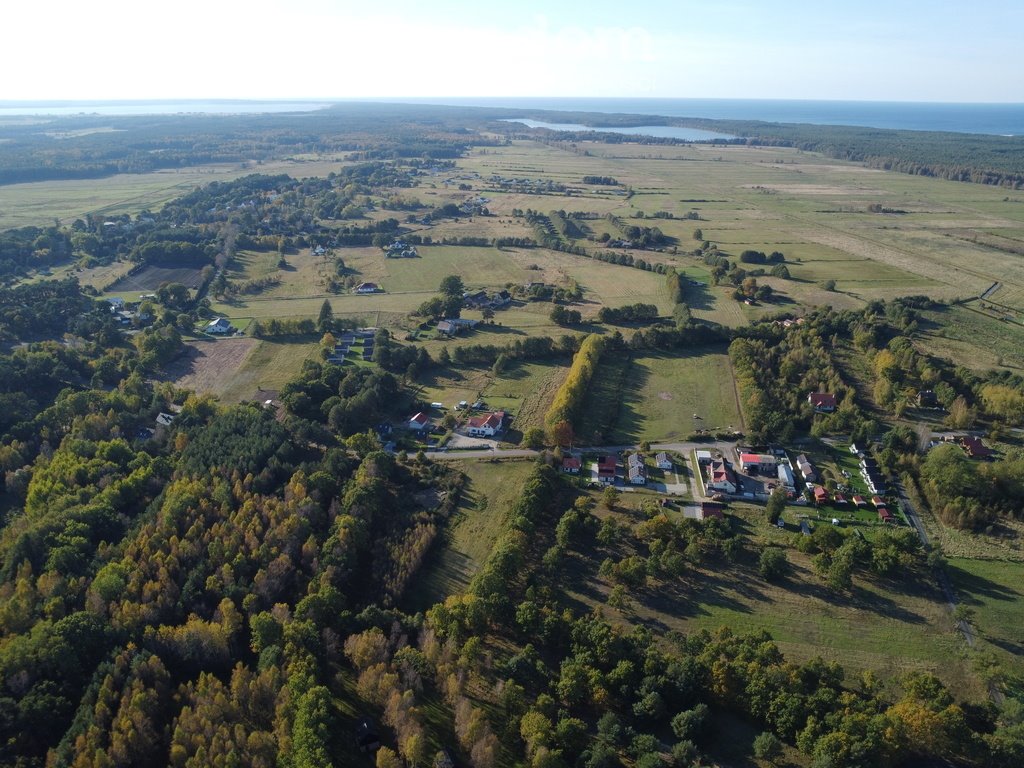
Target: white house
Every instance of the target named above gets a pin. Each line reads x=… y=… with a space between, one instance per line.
x=116 y=303
x=663 y=461
x=219 y=326
x=721 y=477
x=635 y=469
x=786 y=479
x=486 y=426
x=367 y=288
x=419 y=422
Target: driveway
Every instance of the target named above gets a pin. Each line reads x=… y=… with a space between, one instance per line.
x=465 y=441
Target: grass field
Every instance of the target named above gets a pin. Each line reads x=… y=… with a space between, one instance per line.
x=993 y=590
x=661 y=397
x=490 y=489
x=885 y=625
x=973 y=337
x=270 y=365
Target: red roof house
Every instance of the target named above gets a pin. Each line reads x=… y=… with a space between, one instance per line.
x=823 y=402
x=820 y=495
x=419 y=421
x=838 y=499
x=877 y=501
x=710 y=509
x=606 y=468
x=884 y=515
x=974 y=448
x=859 y=501
x=572 y=465
x=486 y=425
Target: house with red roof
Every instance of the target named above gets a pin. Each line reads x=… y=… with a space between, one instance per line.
x=721 y=477
x=419 y=422
x=885 y=515
x=859 y=501
x=877 y=502
x=822 y=402
x=711 y=509
x=820 y=495
x=486 y=426
x=974 y=448
x=606 y=466
x=571 y=465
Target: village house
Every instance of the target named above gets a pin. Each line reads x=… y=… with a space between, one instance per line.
x=367 y=288
x=758 y=462
x=806 y=469
x=822 y=402
x=571 y=465
x=704 y=457
x=606 y=466
x=453 y=326
x=662 y=461
x=974 y=448
x=220 y=326
x=820 y=495
x=486 y=426
x=419 y=422
x=721 y=477
x=635 y=469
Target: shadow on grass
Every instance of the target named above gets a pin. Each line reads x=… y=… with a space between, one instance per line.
x=971 y=587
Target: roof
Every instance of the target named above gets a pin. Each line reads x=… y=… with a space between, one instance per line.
x=710 y=509
x=606 y=462
x=757 y=458
x=490 y=421
x=661 y=458
x=974 y=446
x=822 y=399
x=877 y=501
x=420 y=418
x=571 y=462
x=820 y=494
x=722 y=472
x=859 y=500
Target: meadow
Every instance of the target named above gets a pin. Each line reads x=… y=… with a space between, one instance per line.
x=661 y=397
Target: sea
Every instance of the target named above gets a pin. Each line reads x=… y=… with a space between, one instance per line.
x=996 y=119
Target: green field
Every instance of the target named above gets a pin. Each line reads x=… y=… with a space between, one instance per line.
x=661 y=397
x=993 y=590
x=270 y=366
x=491 y=488
x=974 y=337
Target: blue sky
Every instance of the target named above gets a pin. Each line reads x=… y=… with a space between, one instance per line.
x=897 y=50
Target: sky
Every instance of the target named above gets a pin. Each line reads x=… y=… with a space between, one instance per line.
x=898 y=50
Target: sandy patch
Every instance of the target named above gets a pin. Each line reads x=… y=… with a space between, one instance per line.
x=210 y=366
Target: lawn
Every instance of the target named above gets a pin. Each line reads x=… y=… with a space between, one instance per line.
x=271 y=365
x=661 y=396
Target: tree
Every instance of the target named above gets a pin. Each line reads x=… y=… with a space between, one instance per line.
x=767 y=746
x=562 y=433
x=772 y=564
x=452 y=286
x=325 y=320
x=610 y=497
x=776 y=504
x=533 y=438
x=698 y=234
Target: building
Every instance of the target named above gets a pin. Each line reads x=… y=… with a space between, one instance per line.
x=859 y=501
x=711 y=509
x=635 y=469
x=806 y=469
x=877 y=502
x=974 y=448
x=419 y=422
x=662 y=461
x=822 y=402
x=758 y=462
x=486 y=426
x=571 y=465
x=885 y=515
x=704 y=457
x=367 y=288
x=116 y=303
x=820 y=495
x=220 y=326
x=926 y=398
x=786 y=479
x=721 y=477
x=606 y=466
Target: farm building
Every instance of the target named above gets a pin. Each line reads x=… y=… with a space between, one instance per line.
x=758 y=462
x=486 y=426
x=710 y=509
x=786 y=479
x=822 y=402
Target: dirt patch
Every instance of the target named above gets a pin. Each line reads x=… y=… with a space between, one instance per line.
x=665 y=395
x=151 y=278
x=209 y=366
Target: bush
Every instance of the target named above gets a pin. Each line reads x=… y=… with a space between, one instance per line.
x=767 y=746
x=773 y=564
